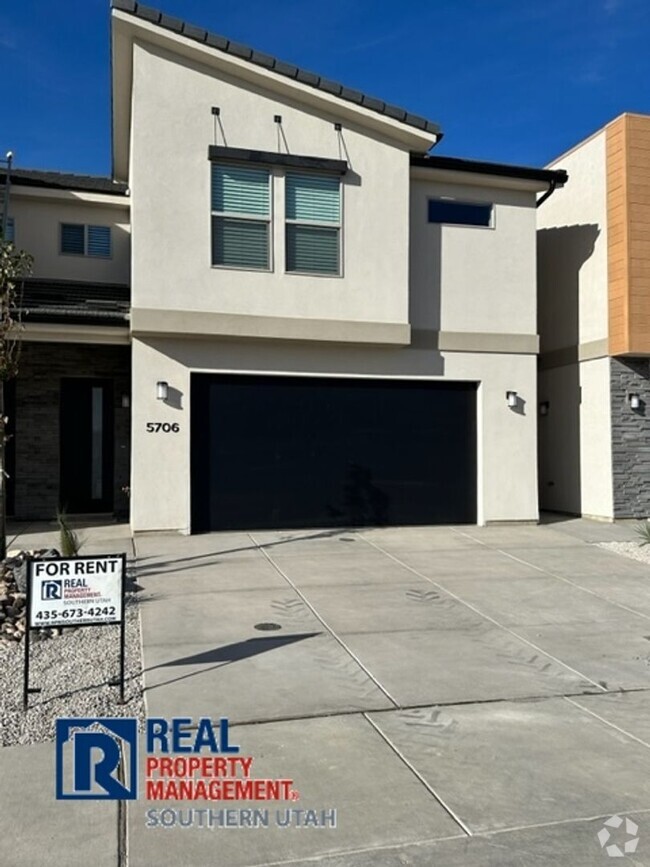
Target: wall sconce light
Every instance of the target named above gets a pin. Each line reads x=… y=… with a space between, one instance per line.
x=512 y=397
x=543 y=407
x=125 y=401
x=635 y=400
x=162 y=389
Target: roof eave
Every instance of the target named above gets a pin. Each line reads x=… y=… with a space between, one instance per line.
x=126 y=26
x=496 y=174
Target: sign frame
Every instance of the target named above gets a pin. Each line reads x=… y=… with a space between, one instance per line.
x=121 y=622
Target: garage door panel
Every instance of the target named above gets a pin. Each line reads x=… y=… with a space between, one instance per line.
x=270 y=452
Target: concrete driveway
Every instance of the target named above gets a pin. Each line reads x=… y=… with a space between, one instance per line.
x=462 y=696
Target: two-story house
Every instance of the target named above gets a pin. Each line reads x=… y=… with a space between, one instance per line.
x=328 y=326
x=594 y=323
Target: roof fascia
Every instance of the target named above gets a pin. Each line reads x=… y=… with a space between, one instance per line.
x=18 y=191
x=474 y=179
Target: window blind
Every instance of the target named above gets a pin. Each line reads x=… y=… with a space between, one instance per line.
x=72 y=238
x=237 y=190
x=240 y=243
x=313 y=249
x=99 y=241
x=313 y=198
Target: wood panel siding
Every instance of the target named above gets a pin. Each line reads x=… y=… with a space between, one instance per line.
x=628 y=234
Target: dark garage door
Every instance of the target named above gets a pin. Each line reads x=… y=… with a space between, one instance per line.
x=290 y=452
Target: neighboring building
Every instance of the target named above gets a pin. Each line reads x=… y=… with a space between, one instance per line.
x=325 y=322
x=69 y=429
x=594 y=323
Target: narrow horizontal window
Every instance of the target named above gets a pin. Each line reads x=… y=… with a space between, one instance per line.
x=73 y=238
x=460 y=213
x=313 y=223
x=241 y=216
x=99 y=241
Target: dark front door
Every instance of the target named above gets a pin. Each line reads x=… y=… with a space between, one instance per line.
x=86 y=431
x=272 y=452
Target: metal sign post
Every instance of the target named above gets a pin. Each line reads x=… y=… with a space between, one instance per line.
x=64 y=593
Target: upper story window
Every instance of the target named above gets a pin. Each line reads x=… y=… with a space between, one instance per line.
x=10 y=233
x=456 y=213
x=313 y=223
x=78 y=239
x=241 y=217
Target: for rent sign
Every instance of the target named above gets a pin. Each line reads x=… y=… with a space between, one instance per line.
x=77 y=592
x=81 y=591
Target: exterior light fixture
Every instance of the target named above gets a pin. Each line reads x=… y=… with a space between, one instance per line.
x=162 y=389
x=635 y=400
x=126 y=401
x=512 y=397
x=543 y=407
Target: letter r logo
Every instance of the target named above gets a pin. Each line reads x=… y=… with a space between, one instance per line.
x=96 y=759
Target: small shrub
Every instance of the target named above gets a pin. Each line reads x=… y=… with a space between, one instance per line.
x=643 y=532
x=70 y=543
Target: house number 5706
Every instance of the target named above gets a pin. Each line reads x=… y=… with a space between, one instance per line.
x=162 y=427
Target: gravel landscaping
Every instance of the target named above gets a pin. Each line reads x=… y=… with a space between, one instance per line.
x=629 y=549
x=72 y=670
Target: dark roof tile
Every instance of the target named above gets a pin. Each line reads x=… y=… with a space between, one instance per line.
x=287 y=69
x=75 y=302
x=308 y=77
x=216 y=41
x=416 y=120
x=330 y=86
x=171 y=23
x=263 y=59
x=196 y=33
x=64 y=181
x=125 y=5
x=351 y=95
x=374 y=104
x=279 y=66
x=240 y=50
x=395 y=112
x=148 y=13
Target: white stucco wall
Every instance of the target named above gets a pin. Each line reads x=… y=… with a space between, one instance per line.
x=170 y=181
x=507 y=472
x=575 y=438
x=38 y=230
x=595 y=439
x=573 y=273
x=466 y=278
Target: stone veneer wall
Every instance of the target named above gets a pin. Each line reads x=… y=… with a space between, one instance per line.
x=38 y=388
x=630 y=437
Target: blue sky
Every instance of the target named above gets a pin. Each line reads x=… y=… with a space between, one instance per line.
x=509 y=80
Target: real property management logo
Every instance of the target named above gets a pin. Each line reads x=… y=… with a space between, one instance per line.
x=184 y=760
